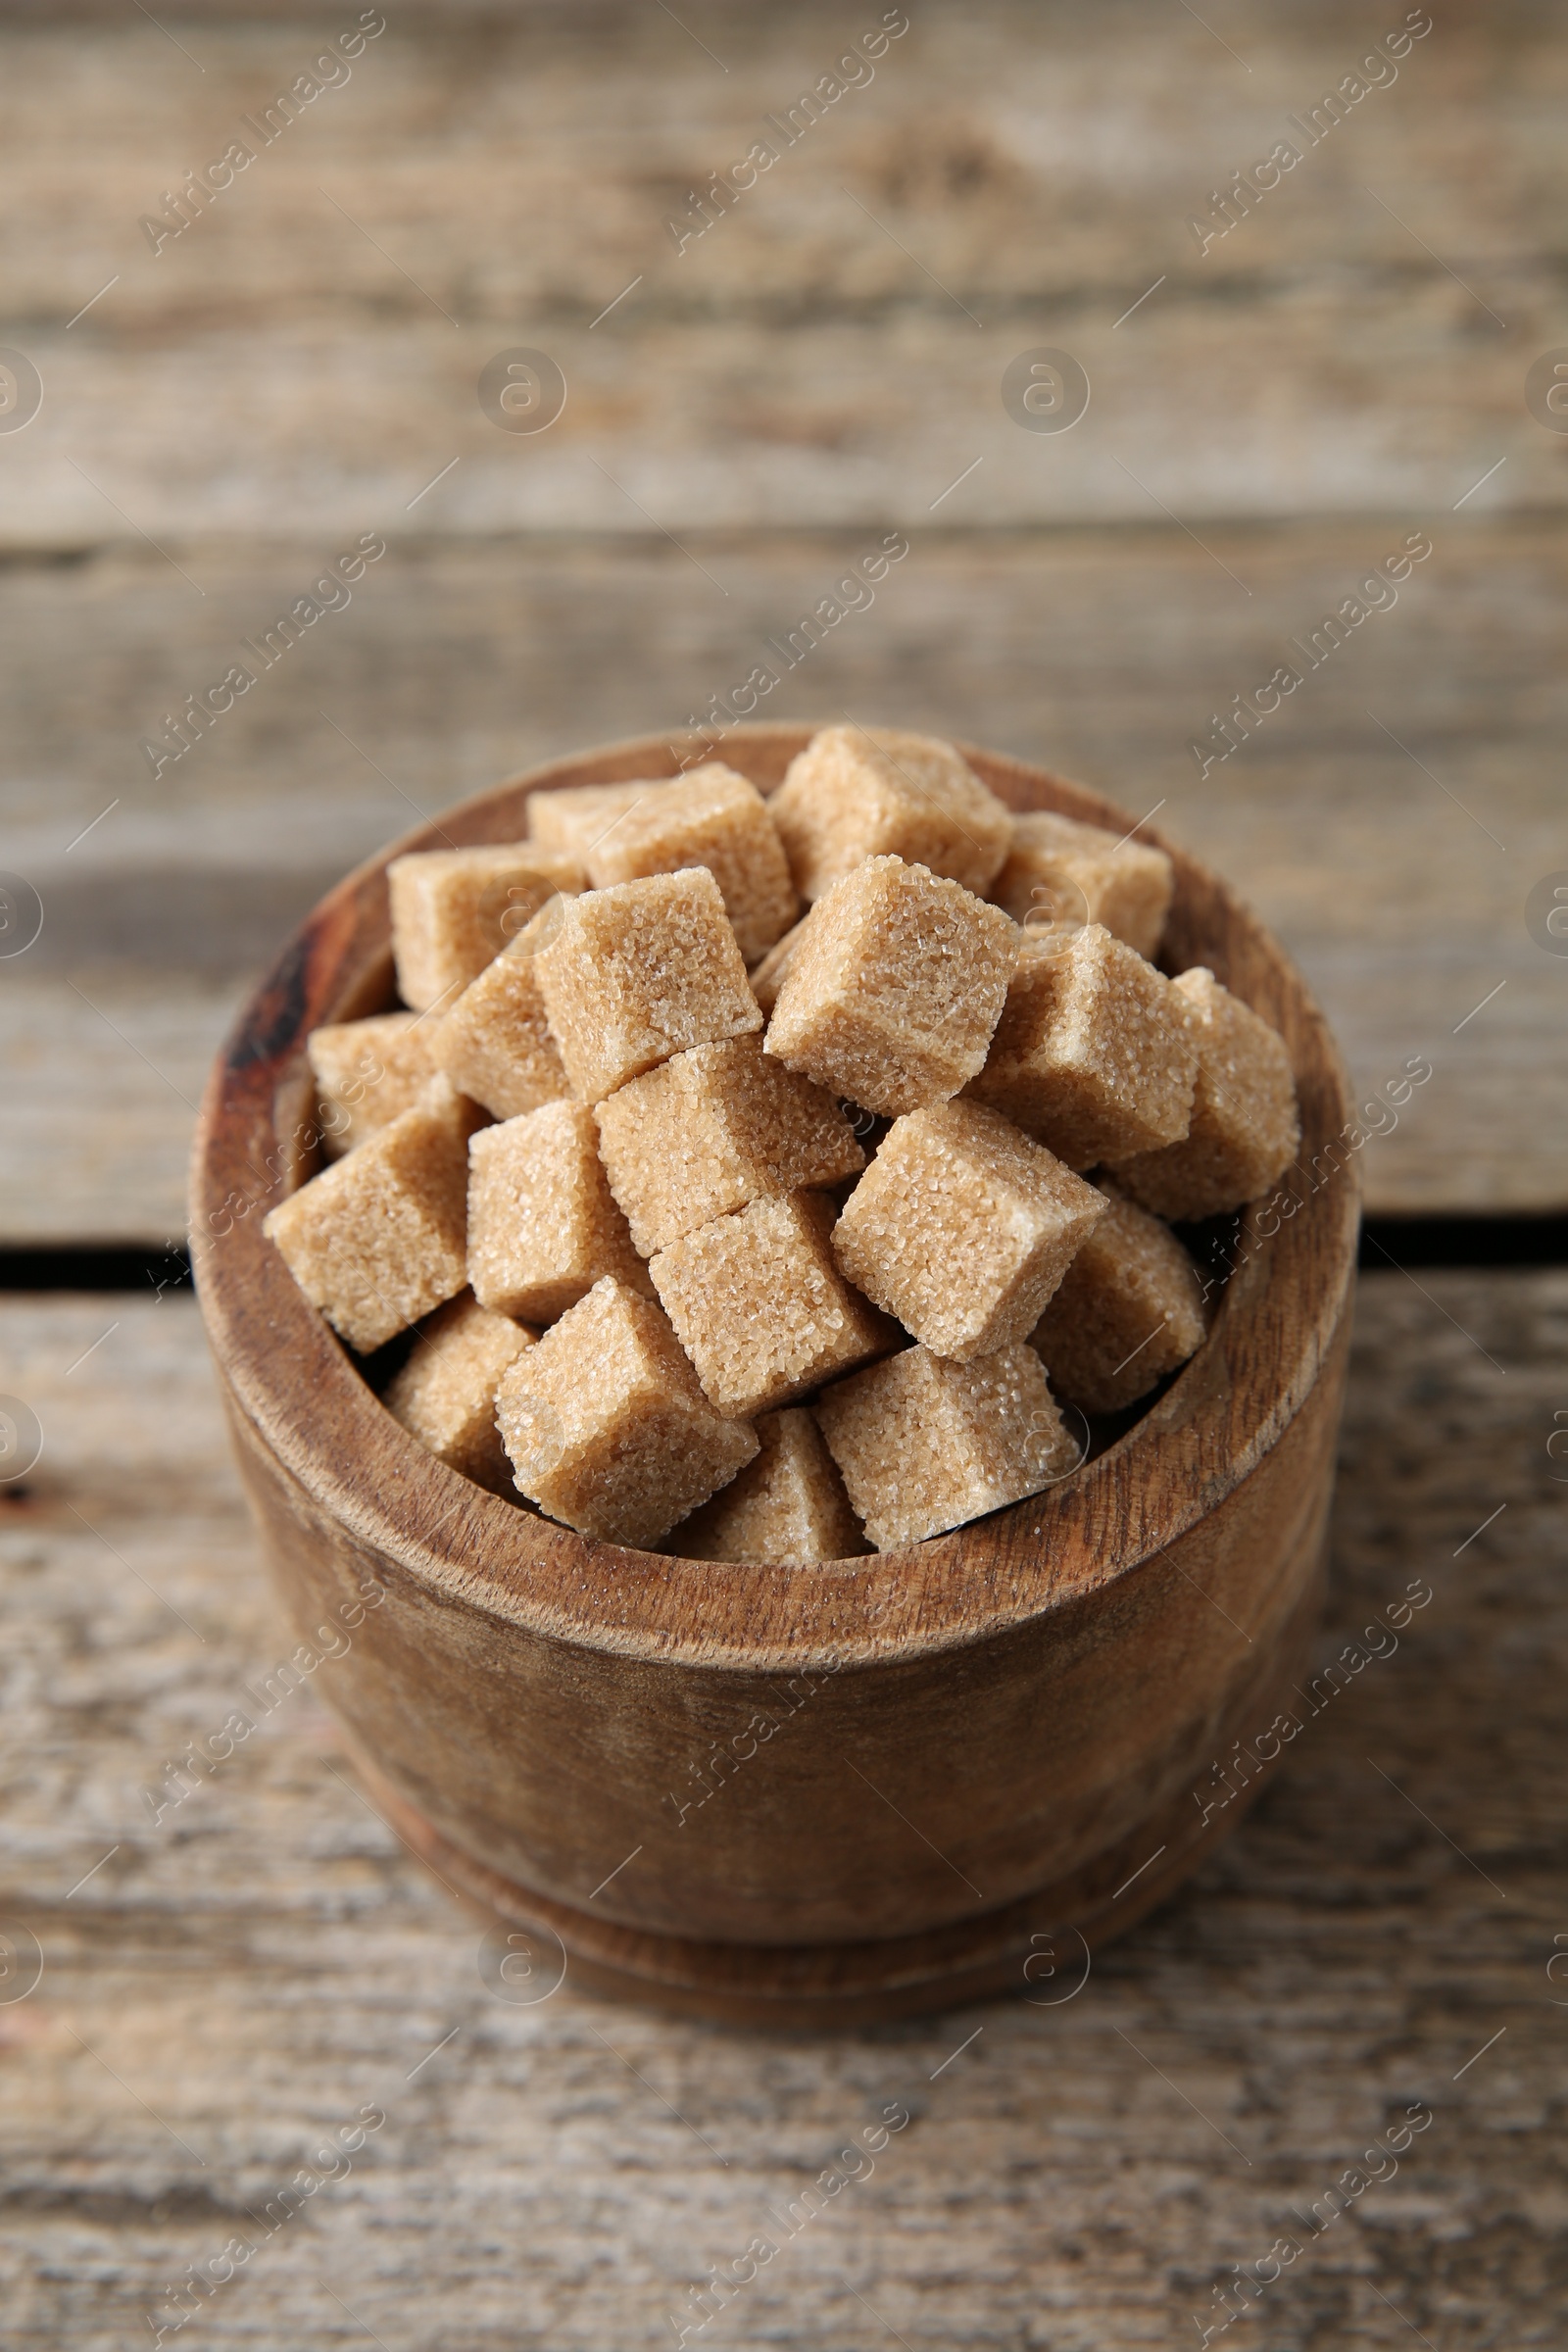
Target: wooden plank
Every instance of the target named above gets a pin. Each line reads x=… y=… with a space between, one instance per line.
x=1097 y=654
x=260 y=1965
x=888 y=420
x=305 y=355
x=101 y=1103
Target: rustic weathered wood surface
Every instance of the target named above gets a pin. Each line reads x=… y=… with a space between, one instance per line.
x=238 y=1980
x=1337 y=370
x=829 y=350
x=281 y=378
x=1096 y=654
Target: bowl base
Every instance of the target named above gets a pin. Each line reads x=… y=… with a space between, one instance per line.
x=1037 y=1948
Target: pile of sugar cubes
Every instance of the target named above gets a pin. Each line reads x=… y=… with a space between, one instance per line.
x=776 y=1230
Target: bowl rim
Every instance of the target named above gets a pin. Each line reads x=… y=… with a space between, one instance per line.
x=300 y=1387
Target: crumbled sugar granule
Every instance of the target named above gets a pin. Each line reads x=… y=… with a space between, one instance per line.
x=963 y=1228
x=575 y=818
x=711 y=817
x=895 y=988
x=606 y=1428
x=542 y=1227
x=870 y=792
x=1061 y=870
x=786 y=1509
x=376 y=1239
x=454 y=909
x=1245 y=1131
x=767 y=977
x=494 y=1043
x=445 y=1395
x=925 y=1444
x=712 y=1129
x=640 y=971
x=367 y=1073
x=1095 y=1054
x=761 y=1308
x=1130 y=1308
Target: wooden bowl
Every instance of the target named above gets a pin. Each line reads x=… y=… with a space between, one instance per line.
x=801 y=1795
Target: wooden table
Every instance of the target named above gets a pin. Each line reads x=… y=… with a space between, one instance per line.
x=230 y=1978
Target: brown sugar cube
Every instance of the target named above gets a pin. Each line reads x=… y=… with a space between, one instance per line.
x=895 y=985
x=494 y=1043
x=1129 y=1310
x=963 y=1228
x=573 y=818
x=1095 y=1054
x=925 y=1444
x=871 y=792
x=786 y=1509
x=713 y=817
x=606 y=1427
x=376 y=1239
x=542 y=1225
x=1245 y=1131
x=454 y=909
x=445 y=1395
x=759 y=1306
x=1061 y=870
x=367 y=1073
x=767 y=977
x=640 y=971
x=712 y=1129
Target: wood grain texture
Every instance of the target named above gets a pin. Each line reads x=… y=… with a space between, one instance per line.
x=1036 y=1689
x=272 y=384
x=264 y=1961
x=1097 y=654
x=305 y=355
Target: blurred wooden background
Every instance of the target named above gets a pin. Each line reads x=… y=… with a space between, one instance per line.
x=1268 y=420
